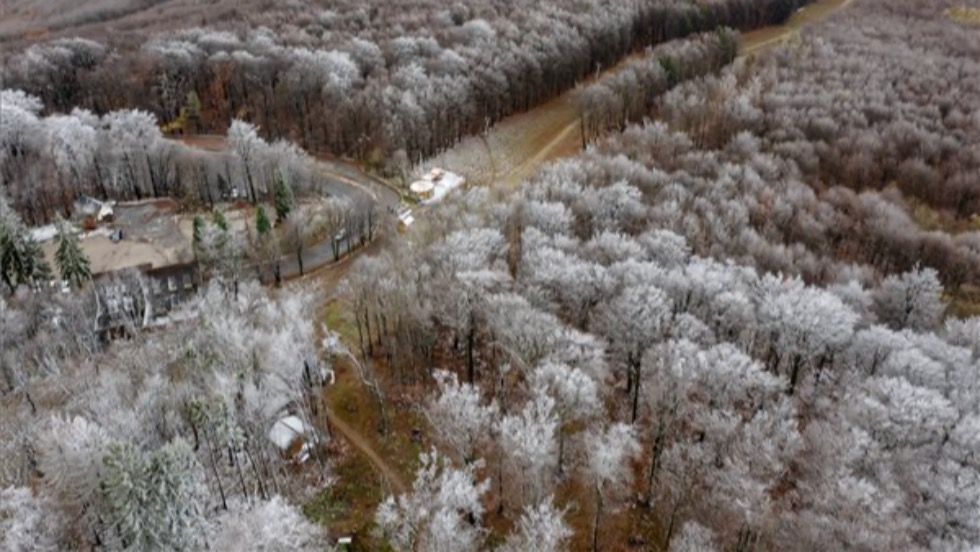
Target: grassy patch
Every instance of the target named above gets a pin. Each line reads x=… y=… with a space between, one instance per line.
x=929 y=218
x=965 y=302
x=338 y=319
x=348 y=507
x=964 y=14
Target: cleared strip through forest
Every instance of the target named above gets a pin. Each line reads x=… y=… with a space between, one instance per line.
x=514 y=148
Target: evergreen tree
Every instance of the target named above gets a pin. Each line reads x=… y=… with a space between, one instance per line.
x=283 y=199
x=176 y=503
x=154 y=502
x=262 y=224
x=219 y=220
x=124 y=490
x=198 y=230
x=670 y=68
x=38 y=268
x=72 y=262
x=21 y=258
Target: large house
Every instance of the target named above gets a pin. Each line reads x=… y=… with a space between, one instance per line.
x=137 y=297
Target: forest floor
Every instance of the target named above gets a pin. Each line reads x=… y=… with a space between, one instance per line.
x=514 y=148
x=375 y=465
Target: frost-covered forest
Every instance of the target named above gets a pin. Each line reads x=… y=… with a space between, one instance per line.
x=49 y=162
x=724 y=323
x=739 y=319
x=368 y=78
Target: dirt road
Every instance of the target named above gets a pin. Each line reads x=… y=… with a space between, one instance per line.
x=513 y=149
x=358 y=441
x=767 y=37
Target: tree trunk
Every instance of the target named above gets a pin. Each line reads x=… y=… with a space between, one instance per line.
x=248 y=179
x=657 y=449
x=794 y=374
x=299 y=251
x=595 y=520
x=217 y=476
x=670 y=524
x=636 y=390
x=470 y=345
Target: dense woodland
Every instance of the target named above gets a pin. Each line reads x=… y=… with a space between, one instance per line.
x=80 y=117
x=368 y=78
x=723 y=324
x=720 y=327
x=49 y=162
x=158 y=442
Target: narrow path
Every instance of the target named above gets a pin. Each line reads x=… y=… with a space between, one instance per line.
x=766 y=37
x=559 y=143
x=364 y=448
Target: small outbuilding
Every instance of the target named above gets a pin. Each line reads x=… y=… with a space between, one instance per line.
x=293 y=437
x=405 y=219
x=91 y=207
x=422 y=189
x=435 y=184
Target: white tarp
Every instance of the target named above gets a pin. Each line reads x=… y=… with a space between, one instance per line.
x=446 y=183
x=287 y=430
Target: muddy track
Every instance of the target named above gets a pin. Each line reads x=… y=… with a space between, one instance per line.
x=768 y=37
x=356 y=440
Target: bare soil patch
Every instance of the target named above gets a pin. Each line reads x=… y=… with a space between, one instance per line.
x=150 y=237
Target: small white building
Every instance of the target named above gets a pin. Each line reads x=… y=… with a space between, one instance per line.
x=405 y=219
x=435 y=184
x=89 y=206
x=293 y=437
x=422 y=189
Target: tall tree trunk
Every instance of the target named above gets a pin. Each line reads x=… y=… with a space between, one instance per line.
x=674 y=509
x=794 y=374
x=595 y=520
x=470 y=345
x=217 y=476
x=636 y=390
x=657 y=450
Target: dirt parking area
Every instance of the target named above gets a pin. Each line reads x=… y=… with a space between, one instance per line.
x=150 y=236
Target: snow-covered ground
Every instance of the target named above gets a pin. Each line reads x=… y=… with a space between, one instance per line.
x=48 y=232
x=44 y=233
